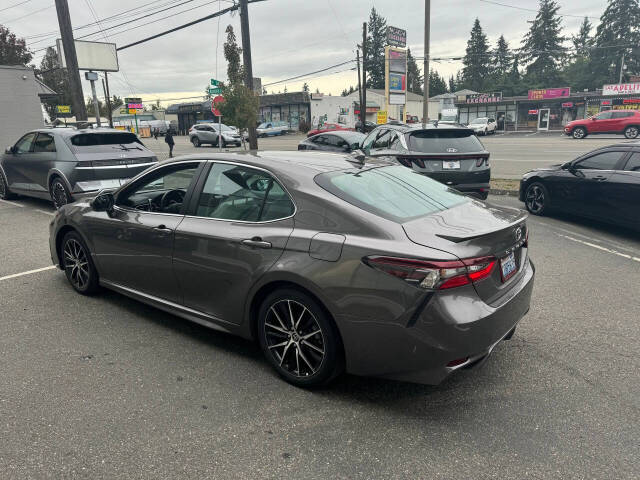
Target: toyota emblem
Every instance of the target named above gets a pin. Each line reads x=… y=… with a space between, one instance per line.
x=518 y=234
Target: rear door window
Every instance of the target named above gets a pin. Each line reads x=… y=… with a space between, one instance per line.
x=395 y=193
x=444 y=141
x=106 y=142
x=382 y=141
x=44 y=143
x=600 y=161
x=615 y=115
x=633 y=165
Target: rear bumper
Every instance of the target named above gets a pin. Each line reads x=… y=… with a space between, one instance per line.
x=452 y=326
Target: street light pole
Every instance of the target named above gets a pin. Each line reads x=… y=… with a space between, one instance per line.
x=248 y=69
x=363 y=104
x=427 y=27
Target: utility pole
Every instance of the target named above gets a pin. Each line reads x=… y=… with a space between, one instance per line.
x=92 y=77
x=363 y=104
x=621 y=69
x=427 y=27
x=66 y=32
x=107 y=100
x=248 y=69
x=359 y=86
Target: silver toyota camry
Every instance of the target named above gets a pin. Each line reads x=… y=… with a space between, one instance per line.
x=330 y=262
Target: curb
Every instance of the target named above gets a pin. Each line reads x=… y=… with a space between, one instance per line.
x=497 y=191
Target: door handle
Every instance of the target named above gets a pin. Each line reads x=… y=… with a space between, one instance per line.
x=163 y=229
x=256 y=242
x=600 y=178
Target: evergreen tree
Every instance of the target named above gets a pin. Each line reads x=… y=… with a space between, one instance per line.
x=502 y=58
x=56 y=79
x=542 y=47
x=477 y=58
x=13 y=50
x=437 y=84
x=460 y=84
x=583 y=42
x=414 y=77
x=618 y=33
x=452 y=84
x=232 y=52
x=579 y=73
x=376 y=41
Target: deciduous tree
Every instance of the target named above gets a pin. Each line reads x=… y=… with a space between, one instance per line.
x=13 y=50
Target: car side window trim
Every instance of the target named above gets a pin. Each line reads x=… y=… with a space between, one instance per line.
x=622 y=160
x=198 y=191
x=37 y=139
x=33 y=134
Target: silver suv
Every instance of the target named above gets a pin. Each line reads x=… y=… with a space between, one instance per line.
x=64 y=164
x=203 y=133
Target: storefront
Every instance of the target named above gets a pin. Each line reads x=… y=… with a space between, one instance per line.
x=292 y=108
x=191 y=113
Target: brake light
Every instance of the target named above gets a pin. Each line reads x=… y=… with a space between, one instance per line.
x=419 y=162
x=434 y=274
x=405 y=161
x=480 y=161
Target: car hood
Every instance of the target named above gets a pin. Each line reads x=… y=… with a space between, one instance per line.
x=471 y=229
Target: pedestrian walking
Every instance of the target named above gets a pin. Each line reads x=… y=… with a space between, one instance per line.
x=155 y=133
x=168 y=138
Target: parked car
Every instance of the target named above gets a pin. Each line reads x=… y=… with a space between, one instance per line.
x=450 y=154
x=603 y=184
x=483 y=125
x=266 y=129
x=368 y=126
x=65 y=164
x=328 y=262
x=207 y=133
x=626 y=122
x=328 y=127
x=338 y=141
x=412 y=119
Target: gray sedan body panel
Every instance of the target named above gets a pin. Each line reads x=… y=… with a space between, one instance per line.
x=387 y=326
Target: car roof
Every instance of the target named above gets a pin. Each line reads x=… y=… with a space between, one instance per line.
x=71 y=131
x=289 y=162
x=339 y=133
x=404 y=128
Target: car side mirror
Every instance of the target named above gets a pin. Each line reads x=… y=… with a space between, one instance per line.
x=103 y=202
x=359 y=155
x=10 y=150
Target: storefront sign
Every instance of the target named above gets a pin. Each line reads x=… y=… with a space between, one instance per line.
x=397 y=82
x=621 y=89
x=533 y=112
x=134 y=105
x=381 y=117
x=494 y=97
x=567 y=105
x=627 y=101
x=396 y=37
x=547 y=93
x=605 y=102
x=132 y=100
x=63 y=108
x=317 y=96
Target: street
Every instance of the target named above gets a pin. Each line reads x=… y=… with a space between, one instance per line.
x=106 y=387
x=512 y=154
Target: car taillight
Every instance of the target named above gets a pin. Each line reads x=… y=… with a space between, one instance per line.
x=480 y=161
x=405 y=161
x=434 y=274
x=419 y=162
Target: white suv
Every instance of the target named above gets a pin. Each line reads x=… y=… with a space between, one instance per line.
x=483 y=125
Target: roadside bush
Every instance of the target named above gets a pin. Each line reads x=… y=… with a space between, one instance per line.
x=304 y=126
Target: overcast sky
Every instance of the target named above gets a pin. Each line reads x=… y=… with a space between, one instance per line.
x=288 y=37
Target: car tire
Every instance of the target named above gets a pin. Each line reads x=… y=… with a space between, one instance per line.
x=5 y=193
x=287 y=320
x=579 y=133
x=60 y=195
x=75 y=259
x=196 y=142
x=536 y=198
x=224 y=144
x=632 y=131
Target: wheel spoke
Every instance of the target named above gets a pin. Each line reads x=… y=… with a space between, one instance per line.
x=284 y=352
x=304 y=310
x=275 y=328
x=311 y=345
x=302 y=355
x=279 y=344
x=308 y=335
x=279 y=319
x=293 y=324
x=298 y=360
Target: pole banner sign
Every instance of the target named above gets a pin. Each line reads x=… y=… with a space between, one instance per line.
x=396 y=37
x=548 y=93
x=621 y=89
x=397 y=82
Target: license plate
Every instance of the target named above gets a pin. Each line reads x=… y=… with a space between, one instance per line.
x=450 y=164
x=508 y=266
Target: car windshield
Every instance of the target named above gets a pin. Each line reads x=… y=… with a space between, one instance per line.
x=263 y=125
x=106 y=141
x=442 y=141
x=448 y=118
x=395 y=193
x=352 y=137
x=479 y=121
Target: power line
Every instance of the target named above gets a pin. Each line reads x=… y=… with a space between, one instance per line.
x=14 y=5
x=310 y=73
x=534 y=10
x=27 y=15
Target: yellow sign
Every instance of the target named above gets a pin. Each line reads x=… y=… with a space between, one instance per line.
x=63 y=108
x=124 y=110
x=382 y=117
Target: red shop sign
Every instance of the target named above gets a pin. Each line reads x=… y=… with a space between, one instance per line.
x=627 y=101
x=533 y=112
x=567 y=105
x=605 y=102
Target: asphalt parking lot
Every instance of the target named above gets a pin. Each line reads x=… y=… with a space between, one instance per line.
x=105 y=387
x=512 y=154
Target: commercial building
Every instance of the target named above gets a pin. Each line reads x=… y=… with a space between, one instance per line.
x=291 y=107
x=546 y=109
x=20 y=102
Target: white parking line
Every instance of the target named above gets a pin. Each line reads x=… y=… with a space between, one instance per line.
x=45 y=212
x=11 y=203
x=593 y=245
x=600 y=239
x=28 y=272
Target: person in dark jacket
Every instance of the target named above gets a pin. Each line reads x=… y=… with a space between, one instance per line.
x=168 y=138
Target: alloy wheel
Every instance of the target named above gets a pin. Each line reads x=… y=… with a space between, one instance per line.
x=578 y=133
x=535 y=199
x=59 y=194
x=77 y=264
x=294 y=338
x=3 y=187
x=631 y=132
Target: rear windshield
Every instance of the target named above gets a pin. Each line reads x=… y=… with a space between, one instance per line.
x=106 y=142
x=395 y=193
x=442 y=141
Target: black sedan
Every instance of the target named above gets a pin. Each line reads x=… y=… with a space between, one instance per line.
x=338 y=141
x=603 y=184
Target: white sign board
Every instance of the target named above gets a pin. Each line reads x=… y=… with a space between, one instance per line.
x=97 y=56
x=397 y=99
x=621 y=89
